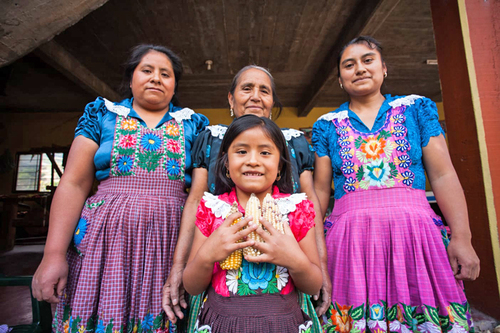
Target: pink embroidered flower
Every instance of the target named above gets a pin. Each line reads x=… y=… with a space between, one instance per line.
x=172 y=130
x=173 y=146
x=373 y=147
x=129 y=124
x=128 y=141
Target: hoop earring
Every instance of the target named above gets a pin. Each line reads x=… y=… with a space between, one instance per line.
x=341 y=86
x=231 y=112
x=227 y=174
x=385 y=74
x=278 y=177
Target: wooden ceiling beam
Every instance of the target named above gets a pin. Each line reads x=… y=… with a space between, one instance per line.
x=59 y=58
x=366 y=18
x=25 y=25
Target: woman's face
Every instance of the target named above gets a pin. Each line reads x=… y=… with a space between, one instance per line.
x=153 y=82
x=361 y=70
x=253 y=94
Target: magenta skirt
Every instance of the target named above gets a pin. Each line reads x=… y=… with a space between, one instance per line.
x=389 y=266
x=120 y=257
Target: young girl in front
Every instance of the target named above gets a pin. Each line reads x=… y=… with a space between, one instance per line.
x=260 y=295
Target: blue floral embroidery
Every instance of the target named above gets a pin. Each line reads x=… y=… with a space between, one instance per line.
x=398 y=119
x=125 y=163
x=147 y=323
x=344 y=141
x=377 y=312
x=405 y=161
x=292 y=152
x=151 y=141
x=100 y=327
x=342 y=130
x=348 y=167
x=402 y=145
x=80 y=231
x=207 y=153
x=256 y=275
x=446 y=239
x=173 y=167
x=408 y=177
x=399 y=131
x=349 y=184
x=345 y=153
x=212 y=188
x=437 y=222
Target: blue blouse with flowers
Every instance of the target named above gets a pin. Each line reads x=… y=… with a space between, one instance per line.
x=98 y=124
x=422 y=122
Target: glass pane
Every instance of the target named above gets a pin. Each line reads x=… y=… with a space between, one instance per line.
x=27 y=172
x=48 y=171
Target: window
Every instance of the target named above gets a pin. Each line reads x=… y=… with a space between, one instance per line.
x=37 y=172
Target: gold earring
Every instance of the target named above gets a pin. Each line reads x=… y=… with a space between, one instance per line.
x=341 y=86
x=231 y=112
x=227 y=174
x=278 y=177
x=385 y=74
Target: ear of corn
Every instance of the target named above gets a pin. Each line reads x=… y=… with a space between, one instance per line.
x=271 y=213
x=233 y=261
x=253 y=209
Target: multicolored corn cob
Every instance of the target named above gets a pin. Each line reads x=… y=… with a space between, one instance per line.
x=233 y=261
x=253 y=209
x=271 y=213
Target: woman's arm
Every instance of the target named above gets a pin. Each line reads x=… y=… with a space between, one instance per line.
x=173 y=290
x=450 y=197
x=307 y=185
x=74 y=187
x=206 y=251
x=323 y=181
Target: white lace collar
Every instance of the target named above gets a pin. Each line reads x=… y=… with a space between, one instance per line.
x=407 y=100
x=217 y=130
x=289 y=133
x=183 y=114
x=341 y=115
x=118 y=109
x=219 y=208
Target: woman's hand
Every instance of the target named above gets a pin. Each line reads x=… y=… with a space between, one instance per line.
x=50 y=278
x=463 y=259
x=324 y=297
x=173 y=294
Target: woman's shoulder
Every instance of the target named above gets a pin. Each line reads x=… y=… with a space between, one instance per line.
x=340 y=113
x=408 y=100
x=181 y=114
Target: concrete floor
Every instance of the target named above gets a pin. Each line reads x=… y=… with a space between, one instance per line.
x=15 y=302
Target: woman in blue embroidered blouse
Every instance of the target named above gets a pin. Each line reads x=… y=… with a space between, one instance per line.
x=252 y=92
x=392 y=264
x=122 y=238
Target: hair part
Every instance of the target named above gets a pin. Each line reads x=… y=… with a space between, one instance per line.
x=369 y=41
x=136 y=55
x=276 y=100
x=273 y=132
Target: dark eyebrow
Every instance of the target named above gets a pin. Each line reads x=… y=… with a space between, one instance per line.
x=250 y=84
x=162 y=69
x=363 y=56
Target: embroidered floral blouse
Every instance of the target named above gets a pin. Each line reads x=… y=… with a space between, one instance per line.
x=99 y=120
x=254 y=278
x=207 y=146
x=421 y=121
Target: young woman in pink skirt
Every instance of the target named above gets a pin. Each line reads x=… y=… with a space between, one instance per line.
x=392 y=264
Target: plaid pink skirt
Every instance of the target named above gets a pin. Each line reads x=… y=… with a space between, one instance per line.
x=122 y=254
x=389 y=266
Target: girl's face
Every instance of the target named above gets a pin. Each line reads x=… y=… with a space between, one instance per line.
x=253 y=163
x=253 y=94
x=361 y=70
x=153 y=81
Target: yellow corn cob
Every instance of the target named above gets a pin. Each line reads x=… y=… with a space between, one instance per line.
x=253 y=209
x=233 y=261
x=271 y=213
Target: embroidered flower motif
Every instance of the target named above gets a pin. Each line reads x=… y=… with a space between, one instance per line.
x=397 y=326
x=306 y=327
x=341 y=318
x=173 y=146
x=281 y=277
x=344 y=141
x=360 y=325
x=232 y=279
x=377 y=312
x=207 y=152
x=81 y=329
x=128 y=141
x=345 y=153
x=129 y=124
x=377 y=173
x=437 y=222
x=343 y=130
x=256 y=275
x=173 y=167
x=373 y=147
x=429 y=327
x=407 y=177
x=399 y=131
x=403 y=145
x=147 y=323
x=125 y=163
x=151 y=141
x=80 y=231
x=350 y=184
x=398 y=118
x=404 y=161
x=100 y=327
x=347 y=168
x=172 y=129
x=445 y=238
x=292 y=152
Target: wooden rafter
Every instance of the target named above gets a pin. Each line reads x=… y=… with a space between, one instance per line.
x=57 y=56
x=365 y=19
x=25 y=25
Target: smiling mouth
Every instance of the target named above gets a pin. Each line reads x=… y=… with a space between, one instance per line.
x=253 y=174
x=361 y=79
